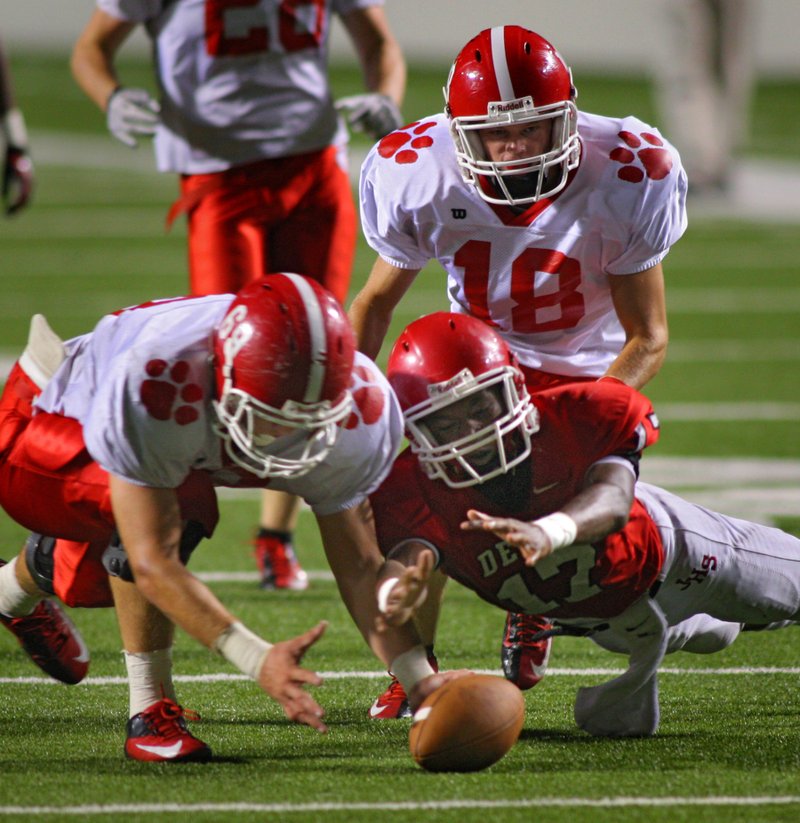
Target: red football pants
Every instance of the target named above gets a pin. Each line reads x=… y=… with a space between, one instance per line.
x=293 y=214
x=50 y=484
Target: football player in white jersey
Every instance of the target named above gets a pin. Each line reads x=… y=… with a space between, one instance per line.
x=112 y=445
x=551 y=224
x=246 y=118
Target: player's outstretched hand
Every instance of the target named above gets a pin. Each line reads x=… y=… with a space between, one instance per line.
x=374 y=113
x=530 y=540
x=285 y=680
x=403 y=599
x=430 y=684
x=132 y=113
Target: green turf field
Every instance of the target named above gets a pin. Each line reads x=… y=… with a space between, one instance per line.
x=729 y=743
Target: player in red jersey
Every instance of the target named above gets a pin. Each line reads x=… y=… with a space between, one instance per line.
x=534 y=504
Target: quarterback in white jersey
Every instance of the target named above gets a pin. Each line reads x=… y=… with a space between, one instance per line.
x=550 y=223
x=540 y=276
x=110 y=448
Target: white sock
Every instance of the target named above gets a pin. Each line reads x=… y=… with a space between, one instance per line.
x=149 y=678
x=14 y=600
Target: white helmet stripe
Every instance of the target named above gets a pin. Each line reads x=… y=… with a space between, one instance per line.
x=319 y=343
x=501 y=64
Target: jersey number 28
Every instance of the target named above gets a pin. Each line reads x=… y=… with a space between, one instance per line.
x=301 y=25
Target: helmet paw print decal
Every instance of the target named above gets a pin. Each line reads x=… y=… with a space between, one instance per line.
x=368 y=399
x=404 y=145
x=167 y=387
x=656 y=161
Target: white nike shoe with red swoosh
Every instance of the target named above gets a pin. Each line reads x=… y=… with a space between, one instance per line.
x=159 y=734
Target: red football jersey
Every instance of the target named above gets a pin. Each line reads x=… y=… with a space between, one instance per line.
x=580 y=424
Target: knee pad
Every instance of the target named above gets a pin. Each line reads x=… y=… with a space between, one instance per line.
x=40 y=560
x=115 y=560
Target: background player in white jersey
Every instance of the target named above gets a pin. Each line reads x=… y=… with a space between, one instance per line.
x=247 y=120
x=533 y=503
x=551 y=225
x=113 y=443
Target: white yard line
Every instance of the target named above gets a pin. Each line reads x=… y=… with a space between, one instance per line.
x=228 y=677
x=536 y=802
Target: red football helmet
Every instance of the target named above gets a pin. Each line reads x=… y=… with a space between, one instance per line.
x=506 y=76
x=283 y=356
x=442 y=359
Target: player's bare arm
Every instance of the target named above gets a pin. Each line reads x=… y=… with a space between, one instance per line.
x=372 y=308
x=92 y=61
x=641 y=308
x=352 y=551
x=379 y=53
x=600 y=508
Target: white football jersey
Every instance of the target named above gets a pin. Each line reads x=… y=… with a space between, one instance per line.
x=141 y=385
x=540 y=277
x=240 y=82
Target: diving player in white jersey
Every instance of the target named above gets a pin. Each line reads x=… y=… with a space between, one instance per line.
x=245 y=116
x=551 y=224
x=111 y=446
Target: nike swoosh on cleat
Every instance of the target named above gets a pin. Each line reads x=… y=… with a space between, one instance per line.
x=375 y=710
x=164 y=751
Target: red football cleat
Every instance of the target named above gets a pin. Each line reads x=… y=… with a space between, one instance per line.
x=159 y=734
x=278 y=564
x=393 y=703
x=524 y=657
x=52 y=641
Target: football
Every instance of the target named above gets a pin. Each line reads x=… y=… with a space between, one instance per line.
x=467 y=724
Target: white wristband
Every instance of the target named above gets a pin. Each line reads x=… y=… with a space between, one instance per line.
x=412 y=666
x=14 y=128
x=247 y=651
x=384 y=591
x=560 y=529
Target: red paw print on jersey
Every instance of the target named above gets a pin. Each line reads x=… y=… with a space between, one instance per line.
x=368 y=399
x=404 y=146
x=656 y=162
x=166 y=394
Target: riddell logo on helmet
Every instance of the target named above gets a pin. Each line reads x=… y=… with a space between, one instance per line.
x=460 y=379
x=505 y=106
x=512 y=106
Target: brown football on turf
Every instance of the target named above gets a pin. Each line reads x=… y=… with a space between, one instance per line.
x=467 y=724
